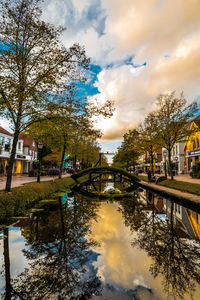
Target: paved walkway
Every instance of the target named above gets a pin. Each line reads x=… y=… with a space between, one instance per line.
x=181 y=177
x=19 y=180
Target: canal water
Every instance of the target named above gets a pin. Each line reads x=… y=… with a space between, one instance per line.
x=143 y=247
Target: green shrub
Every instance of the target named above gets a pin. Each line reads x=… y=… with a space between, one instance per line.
x=195 y=173
x=20 y=199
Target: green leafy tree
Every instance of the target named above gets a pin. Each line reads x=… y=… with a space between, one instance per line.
x=128 y=153
x=34 y=66
x=147 y=139
x=171 y=121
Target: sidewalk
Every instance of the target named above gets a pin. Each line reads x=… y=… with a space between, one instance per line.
x=181 y=177
x=19 y=180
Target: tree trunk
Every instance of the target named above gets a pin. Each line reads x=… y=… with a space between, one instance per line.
x=170 y=164
x=75 y=159
x=11 y=162
x=7 y=264
x=63 y=156
x=151 y=154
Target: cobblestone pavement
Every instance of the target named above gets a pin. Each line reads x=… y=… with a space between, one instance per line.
x=19 y=180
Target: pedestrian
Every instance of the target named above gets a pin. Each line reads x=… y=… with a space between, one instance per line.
x=149 y=176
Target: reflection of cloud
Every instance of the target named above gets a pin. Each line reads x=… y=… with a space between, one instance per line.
x=17 y=260
x=120 y=264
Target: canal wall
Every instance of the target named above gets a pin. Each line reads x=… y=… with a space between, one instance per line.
x=183 y=198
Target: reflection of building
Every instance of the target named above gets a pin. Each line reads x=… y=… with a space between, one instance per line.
x=192 y=145
x=186 y=221
x=23 y=157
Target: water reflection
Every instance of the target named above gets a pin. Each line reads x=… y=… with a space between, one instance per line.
x=167 y=240
x=60 y=257
x=145 y=247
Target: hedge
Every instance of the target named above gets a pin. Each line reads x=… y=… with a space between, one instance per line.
x=20 y=199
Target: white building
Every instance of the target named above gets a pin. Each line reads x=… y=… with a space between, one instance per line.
x=177 y=157
x=23 y=159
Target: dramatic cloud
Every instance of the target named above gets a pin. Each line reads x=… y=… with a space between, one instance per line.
x=163 y=37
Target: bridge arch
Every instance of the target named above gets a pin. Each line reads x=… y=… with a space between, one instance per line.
x=106 y=170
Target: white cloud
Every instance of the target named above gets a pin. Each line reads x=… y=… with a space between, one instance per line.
x=165 y=34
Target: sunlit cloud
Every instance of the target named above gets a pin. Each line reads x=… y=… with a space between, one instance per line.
x=162 y=35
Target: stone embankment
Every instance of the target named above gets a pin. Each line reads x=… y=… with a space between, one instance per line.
x=184 y=198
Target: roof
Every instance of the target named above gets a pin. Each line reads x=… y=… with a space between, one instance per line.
x=197 y=121
x=4 y=131
x=28 y=142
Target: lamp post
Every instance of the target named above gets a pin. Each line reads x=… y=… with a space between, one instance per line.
x=176 y=169
x=40 y=146
x=165 y=165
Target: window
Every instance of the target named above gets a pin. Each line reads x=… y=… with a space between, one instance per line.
x=198 y=218
x=19 y=145
x=197 y=142
x=8 y=141
x=1 y=140
x=176 y=149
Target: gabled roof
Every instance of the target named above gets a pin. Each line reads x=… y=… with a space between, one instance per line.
x=4 y=131
x=197 y=121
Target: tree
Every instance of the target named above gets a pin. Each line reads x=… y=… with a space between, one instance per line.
x=34 y=66
x=171 y=121
x=129 y=152
x=147 y=139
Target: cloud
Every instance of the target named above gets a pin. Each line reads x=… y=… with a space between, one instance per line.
x=164 y=34
x=134 y=90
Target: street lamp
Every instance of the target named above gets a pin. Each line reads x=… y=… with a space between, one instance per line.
x=40 y=146
x=165 y=166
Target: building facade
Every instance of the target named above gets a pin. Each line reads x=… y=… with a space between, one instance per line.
x=192 y=146
x=24 y=155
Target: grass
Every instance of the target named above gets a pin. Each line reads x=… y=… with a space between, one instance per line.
x=143 y=177
x=193 y=188
x=22 y=198
x=189 y=187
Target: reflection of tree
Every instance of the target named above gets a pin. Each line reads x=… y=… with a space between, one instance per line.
x=8 y=288
x=60 y=257
x=177 y=259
